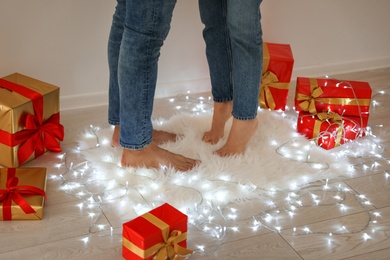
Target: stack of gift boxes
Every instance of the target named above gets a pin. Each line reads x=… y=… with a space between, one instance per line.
x=29 y=126
x=331 y=112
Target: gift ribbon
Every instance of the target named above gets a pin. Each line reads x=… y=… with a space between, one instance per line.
x=329 y=116
x=37 y=134
x=14 y=192
x=168 y=249
x=308 y=101
x=269 y=80
x=334 y=117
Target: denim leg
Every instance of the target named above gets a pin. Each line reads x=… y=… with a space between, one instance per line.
x=146 y=26
x=114 y=42
x=247 y=52
x=218 y=52
x=234 y=52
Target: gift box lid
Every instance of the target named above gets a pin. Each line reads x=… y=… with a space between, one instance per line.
x=359 y=88
x=14 y=106
x=344 y=97
x=12 y=99
x=145 y=234
x=279 y=59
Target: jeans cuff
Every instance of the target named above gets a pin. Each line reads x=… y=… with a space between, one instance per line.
x=113 y=122
x=135 y=147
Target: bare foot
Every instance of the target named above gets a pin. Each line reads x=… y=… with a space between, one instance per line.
x=158 y=136
x=240 y=134
x=154 y=156
x=222 y=112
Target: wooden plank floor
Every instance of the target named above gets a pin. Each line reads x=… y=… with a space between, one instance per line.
x=64 y=233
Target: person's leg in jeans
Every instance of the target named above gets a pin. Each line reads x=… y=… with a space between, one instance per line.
x=234 y=26
x=114 y=44
x=137 y=35
x=218 y=52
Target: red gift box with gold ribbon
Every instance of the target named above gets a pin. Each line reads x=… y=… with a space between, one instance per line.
x=347 y=98
x=329 y=129
x=22 y=193
x=29 y=119
x=278 y=62
x=160 y=233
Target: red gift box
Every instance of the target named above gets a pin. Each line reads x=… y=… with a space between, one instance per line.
x=29 y=119
x=22 y=193
x=162 y=232
x=347 y=98
x=278 y=62
x=330 y=129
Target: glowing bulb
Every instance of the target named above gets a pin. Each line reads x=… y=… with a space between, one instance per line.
x=232 y=216
x=235 y=229
x=268 y=218
x=366 y=236
x=201 y=248
x=101 y=226
x=306 y=229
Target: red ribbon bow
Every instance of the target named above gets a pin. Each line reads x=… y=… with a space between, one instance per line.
x=37 y=135
x=14 y=192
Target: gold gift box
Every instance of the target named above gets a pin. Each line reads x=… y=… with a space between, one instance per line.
x=14 y=107
x=35 y=177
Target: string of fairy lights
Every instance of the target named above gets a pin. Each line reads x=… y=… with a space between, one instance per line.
x=105 y=188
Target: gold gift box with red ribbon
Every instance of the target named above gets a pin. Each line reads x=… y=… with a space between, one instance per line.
x=22 y=193
x=329 y=129
x=278 y=62
x=347 y=98
x=29 y=119
x=159 y=234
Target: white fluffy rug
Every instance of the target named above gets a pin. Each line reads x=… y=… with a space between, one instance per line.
x=277 y=158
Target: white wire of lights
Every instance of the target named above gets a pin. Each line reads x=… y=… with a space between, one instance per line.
x=213 y=216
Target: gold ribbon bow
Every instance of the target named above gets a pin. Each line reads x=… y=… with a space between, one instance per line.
x=168 y=248
x=329 y=116
x=309 y=102
x=334 y=117
x=269 y=79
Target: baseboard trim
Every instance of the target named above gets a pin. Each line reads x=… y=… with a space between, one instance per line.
x=162 y=90
x=203 y=85
x=341 y=68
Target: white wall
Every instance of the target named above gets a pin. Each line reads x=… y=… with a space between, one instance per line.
x=64 y=42
x=331 y=36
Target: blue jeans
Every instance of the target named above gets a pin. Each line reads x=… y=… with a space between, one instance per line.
x=138 y=31
x=233 y=37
